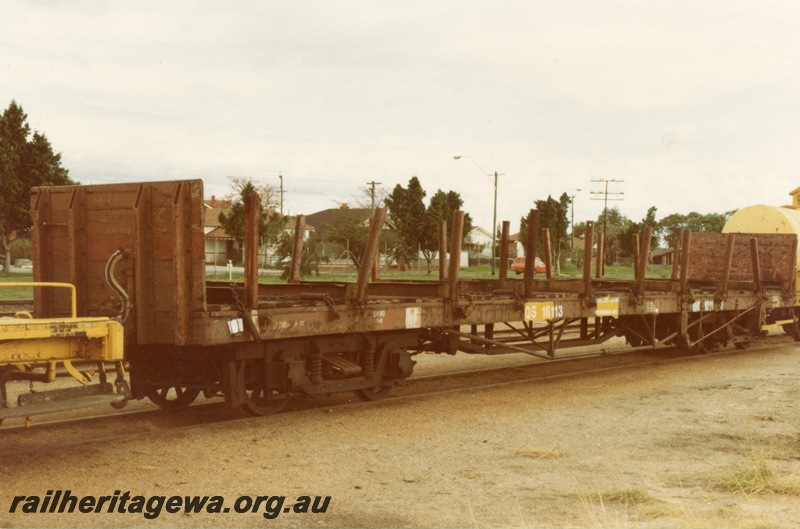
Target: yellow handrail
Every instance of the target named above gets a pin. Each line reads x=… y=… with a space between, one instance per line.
x=70 y=286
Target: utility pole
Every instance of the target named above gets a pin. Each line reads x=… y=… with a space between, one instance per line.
x=372 y=192
x=494 y=224
x=605 y=199
x=494 y=214
x=281 y=177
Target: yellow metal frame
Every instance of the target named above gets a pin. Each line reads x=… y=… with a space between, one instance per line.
x=70 y=286
x=35 y=340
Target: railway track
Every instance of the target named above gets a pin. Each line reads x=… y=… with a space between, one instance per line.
x=129 y=425
x=12 y=306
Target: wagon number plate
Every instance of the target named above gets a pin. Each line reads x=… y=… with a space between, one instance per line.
x=543 y=311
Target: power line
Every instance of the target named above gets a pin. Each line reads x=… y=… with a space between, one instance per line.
x=605 y=199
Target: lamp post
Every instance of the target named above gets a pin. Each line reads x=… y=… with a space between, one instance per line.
x=572 y=228
x=494 y=215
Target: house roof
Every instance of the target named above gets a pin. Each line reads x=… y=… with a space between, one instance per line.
x=218 y=233
x=322 y=220
x=482 y=231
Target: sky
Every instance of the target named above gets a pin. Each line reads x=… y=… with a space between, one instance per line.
x=687 y=105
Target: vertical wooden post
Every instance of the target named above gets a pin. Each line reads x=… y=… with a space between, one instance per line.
x=793 y=272
x=455 y=259
x=644 y=257
x=442 y=250
x=685 y=251
x=727 y=264
x=676 y=257
x=530 y=251
x=504 y=250
x=600 y=267
x=756 y=263
x=588 y=244
x=636 y=248
x=370 y=252
x=297 y=250
x=251 y=238
x=376 y=266
x=548 y=254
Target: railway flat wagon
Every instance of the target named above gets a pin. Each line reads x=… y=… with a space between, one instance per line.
x=262 y=344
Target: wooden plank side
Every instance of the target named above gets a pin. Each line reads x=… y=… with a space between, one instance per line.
x=78 y=260
x=80 y=227
x=143 y=250
x=40 y=250
x=189 y=258
x=708 y=250
x=101 y=300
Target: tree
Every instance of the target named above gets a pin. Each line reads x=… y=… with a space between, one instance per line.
x=418 y=225
x=350 y=230
x=370 y=197
x=310 y=257
x=407 y=211
x=441 y=208
x=271 y=223
x=553 y=215
x=25 y=162
x=673 y=225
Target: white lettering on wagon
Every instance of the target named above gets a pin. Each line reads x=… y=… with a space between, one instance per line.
x=705 y=305
x=379 y=315
x=542 y=311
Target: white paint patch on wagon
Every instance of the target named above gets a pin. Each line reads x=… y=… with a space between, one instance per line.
x=413 y=317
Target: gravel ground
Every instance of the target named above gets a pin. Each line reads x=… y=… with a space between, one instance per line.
x=650 y=446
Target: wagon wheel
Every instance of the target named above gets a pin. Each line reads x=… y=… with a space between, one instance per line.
x=703 y=343
x=374 y=393
x=3 y=392
x=382 y=389
x=793 y=329
x=743 y=339
x=745 y=331
x=251 y=378
x=172 y=397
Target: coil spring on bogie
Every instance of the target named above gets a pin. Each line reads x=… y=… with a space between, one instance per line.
x=368 y=363
x=315 y=369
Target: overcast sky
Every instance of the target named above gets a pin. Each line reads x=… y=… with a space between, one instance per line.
x=695 y=105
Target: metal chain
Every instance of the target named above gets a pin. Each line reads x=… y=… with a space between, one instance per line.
x=249 y=324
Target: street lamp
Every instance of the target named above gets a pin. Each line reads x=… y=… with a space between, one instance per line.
x=572 y=204
x=494 y=215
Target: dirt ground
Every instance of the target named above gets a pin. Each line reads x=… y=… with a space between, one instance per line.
x=712 y=441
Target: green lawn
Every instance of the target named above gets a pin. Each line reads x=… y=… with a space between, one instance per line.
x=14 y=292
x=483 y=272
x=569 y=271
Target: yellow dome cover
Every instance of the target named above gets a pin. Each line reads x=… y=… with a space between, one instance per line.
x=764 y=219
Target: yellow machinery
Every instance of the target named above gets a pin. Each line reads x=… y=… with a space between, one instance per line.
x=37 y=349
x=770 y=219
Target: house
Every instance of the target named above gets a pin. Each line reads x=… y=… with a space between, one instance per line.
x=221 y=247
x=479 y=241
x=662 y=256
x=323 y=221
